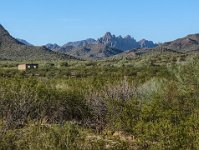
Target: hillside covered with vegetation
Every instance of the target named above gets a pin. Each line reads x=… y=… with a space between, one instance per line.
x=13 y=49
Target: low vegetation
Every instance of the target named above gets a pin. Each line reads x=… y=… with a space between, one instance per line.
x=148 y=102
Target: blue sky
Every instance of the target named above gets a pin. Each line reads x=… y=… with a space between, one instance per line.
x=60 y=21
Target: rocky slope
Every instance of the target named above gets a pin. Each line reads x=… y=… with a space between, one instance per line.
x=185 y=44
x=81 y=43
x=12 y=49
x=53 y=47
x=24 y=42
x=92 y=51
x=146 y=44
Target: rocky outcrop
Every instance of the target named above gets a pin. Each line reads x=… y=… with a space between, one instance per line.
x=146 y=44
x=119 y=42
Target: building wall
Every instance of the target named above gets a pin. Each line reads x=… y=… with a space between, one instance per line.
x=27 y=66
x=22 y=67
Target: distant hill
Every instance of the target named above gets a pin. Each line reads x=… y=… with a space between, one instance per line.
x=82 y=43
x=53 y=47
x=146 y=44
x=24 y=42
x=185 y=44
x=13 y=49
x=92 y=51
x=76 y=44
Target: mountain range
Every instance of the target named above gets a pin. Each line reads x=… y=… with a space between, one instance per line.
x=104 y=47
x=185 y=45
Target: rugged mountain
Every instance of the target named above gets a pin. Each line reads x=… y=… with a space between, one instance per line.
x=146 y=44
x=190 y=43
x=81 y=43
x=24 y=42
x=69 y=45
x=126 y=43
x=185 y=44
x=53 y=47
x=119 y=42
x=104 y=47
x=12 y=49
x=92 y=51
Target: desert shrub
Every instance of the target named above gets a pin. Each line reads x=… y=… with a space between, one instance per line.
x=64 y=64
x=54 y=136
x=43 y=136
x=24 y=99
x=157 y=104
x=110 y=103
x=161 y=113
x=91 y=63
x=166 y=120
x=49 y=65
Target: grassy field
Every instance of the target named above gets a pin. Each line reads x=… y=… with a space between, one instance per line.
x=148 y=102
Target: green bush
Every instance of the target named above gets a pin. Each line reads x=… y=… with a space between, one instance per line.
x=24 y=99
x=64 y=64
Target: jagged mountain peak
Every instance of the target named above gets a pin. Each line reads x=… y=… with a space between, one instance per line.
x=106 y=38
x=124 y=43
x=146 y=44
x=128 y=37
x=108 y=34
x=143 y=40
